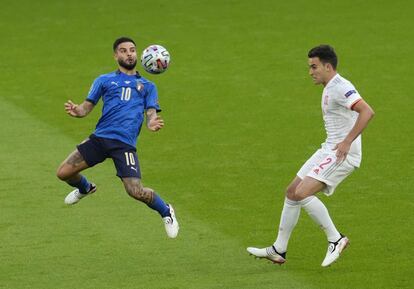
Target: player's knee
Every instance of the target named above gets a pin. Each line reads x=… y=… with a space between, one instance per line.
x=290 y=193
x=298 y=195
x=136 y=191
x=62 y=174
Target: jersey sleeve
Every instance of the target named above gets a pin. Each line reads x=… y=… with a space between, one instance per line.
x=151 y=98
x=95 y=91
x=347 y=95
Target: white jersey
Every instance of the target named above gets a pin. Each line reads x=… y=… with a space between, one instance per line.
x=338 y=97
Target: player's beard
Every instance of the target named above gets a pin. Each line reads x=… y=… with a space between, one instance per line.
x=126 y=65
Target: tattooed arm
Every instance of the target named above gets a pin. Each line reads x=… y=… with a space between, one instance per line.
x=154 y=121
x=78 y=110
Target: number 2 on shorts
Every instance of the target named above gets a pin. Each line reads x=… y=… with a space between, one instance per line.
x=327 y=161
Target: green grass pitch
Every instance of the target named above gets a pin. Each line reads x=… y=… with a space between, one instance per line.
x=241 y=115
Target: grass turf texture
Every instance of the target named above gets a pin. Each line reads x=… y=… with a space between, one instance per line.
x=241 y=116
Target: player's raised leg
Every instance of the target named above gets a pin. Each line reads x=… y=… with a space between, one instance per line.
x=68 y=171
x=305 y=193
x=134 y=188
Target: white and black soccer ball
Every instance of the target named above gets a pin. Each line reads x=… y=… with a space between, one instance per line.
x=155 y=59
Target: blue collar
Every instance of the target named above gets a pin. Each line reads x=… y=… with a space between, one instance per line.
x=137 y=75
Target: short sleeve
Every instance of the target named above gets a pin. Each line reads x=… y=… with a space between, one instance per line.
x=347 y=95
x=151 y=98
x=95 y=91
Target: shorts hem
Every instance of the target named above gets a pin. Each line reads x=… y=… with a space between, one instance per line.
x=329 y=189
x=121 y=177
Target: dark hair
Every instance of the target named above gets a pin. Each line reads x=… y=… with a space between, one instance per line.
x=325 y=53
x=122 y=40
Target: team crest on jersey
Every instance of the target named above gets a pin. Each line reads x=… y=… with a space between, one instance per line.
x=140 y=86
x=349 y=93
x=325 y=99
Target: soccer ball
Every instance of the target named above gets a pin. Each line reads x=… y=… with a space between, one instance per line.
x=155 y=59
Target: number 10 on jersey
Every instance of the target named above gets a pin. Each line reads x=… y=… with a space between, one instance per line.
x=126 y=93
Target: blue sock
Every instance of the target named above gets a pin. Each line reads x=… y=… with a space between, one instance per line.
x=160 y=206
x=83 y=185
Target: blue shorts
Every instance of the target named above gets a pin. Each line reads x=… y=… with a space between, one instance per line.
x=96 y=149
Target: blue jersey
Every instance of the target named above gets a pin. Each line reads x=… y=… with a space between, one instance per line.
x=125 y=98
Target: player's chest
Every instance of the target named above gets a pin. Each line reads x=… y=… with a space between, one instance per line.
x=124 y=92
x=328 y=103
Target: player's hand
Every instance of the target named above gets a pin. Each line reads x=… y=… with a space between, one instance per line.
x=155 y=123
x=71 y=108
x=342 y=150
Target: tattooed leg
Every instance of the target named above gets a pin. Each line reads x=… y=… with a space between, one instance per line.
x=70 y=168
x=134 y=188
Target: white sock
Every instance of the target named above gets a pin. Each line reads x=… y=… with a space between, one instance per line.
x=288 y=220
x=319 y=213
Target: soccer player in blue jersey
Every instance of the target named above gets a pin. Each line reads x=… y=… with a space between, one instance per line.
x=126 y=97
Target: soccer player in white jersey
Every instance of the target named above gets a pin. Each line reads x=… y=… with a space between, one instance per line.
x=345 y=115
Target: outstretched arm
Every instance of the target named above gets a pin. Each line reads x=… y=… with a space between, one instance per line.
x=78 y=110
x=154 y=121
x=365 y=113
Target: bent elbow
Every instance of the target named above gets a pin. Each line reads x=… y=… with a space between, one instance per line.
x=372 y=113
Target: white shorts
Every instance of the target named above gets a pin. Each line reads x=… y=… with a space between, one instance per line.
x=322 y=166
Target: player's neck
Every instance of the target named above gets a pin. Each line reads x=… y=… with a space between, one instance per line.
x=330 y=76
x=127 y=71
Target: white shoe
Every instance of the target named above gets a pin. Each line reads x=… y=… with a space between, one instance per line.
x=269 y=253
x=334 y=250
x=171 y=223
x=75 y=196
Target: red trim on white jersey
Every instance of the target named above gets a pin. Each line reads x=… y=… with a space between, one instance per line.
x=355 y=102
